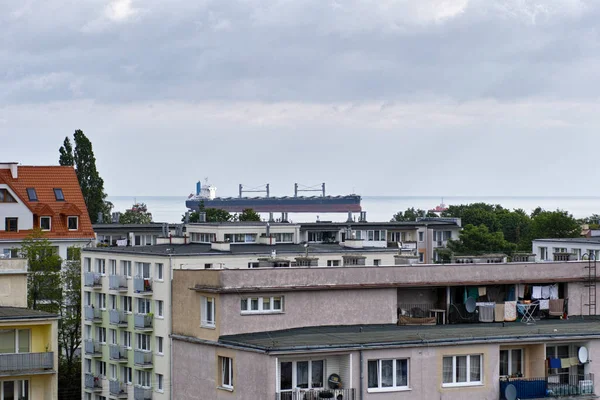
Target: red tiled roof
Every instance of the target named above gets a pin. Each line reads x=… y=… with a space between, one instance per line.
x=44 y=180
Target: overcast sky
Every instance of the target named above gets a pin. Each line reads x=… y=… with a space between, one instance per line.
x=387 y=97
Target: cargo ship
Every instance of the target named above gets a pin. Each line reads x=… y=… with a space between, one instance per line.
x=206 y=195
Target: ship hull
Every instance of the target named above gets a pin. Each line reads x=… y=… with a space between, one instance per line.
x=281 y=204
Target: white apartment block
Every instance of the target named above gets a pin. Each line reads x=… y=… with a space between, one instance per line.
x=576 y=248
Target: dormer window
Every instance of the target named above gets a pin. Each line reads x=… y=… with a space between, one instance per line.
x=6 y=197
x=58 y=193
x=31 y=193
x=45 y=223
x=73 y=223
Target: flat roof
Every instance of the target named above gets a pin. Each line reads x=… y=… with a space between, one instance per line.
x=595 y=239
x=200 y=249
x=12 y=313
x=391 y=224
x=109 y=226
x=328 y=338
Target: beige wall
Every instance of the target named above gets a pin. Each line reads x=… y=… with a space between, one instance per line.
x=13 y=282
x=196 y=373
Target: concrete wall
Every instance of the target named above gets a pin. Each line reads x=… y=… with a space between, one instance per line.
x=197 y=370
x=13 y=282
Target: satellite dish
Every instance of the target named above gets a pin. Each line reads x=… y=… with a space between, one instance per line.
x=510 y=392
x=470 y=305
x=334 y=381
x=582 y=354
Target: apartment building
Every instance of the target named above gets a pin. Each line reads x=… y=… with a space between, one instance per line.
x=567 y=248
x=28 y=340
x=127 y=296
x=42 y=197
x=116 y=234
x=451 y=331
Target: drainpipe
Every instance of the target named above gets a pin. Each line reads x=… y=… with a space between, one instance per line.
x=362 y=378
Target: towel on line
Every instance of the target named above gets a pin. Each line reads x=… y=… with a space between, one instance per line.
x=545 y=292
x=554 y=292
x=565 y=362
x=536 y=292
x=481 y=290
x=544 y=304
x=520 y=290
x=554 y=363
x=574 y=361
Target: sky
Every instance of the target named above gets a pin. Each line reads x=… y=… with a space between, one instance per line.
x=388 y=97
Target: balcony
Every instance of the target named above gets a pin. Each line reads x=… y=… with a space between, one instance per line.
x=93 y=382
x=117 y=389
x=117 y=282
x=142 y=358
x=93 y=280
x=93 y=348
x=118 y=353
x=93 y=314
x=22 y=363
x=143 y=322
x=118 y=317
x=142 y=285
x=550 y=386
x=142 y=393
x=317 y=394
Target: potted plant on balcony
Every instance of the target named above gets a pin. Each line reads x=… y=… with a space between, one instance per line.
x=147 y=285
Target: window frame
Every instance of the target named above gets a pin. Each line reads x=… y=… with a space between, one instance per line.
x=6 y=196
x=159 y=309
x=226 y=371
x=205 y=303
x=509 y=361
x=49 y=219
x=294 y=371
x=468 y=382
x=395 y=387
x=30 y=191
x=71 y=217
x=159 y=345
x=59 y=195
x=160 y=270
x=261 y=304
x=7 y=224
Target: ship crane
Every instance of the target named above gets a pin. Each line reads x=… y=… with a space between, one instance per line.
x=258 y=189
x=309 y=189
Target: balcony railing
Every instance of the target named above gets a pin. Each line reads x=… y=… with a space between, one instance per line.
x=117 y=282
x=143 y=322
x=142 y=358
x=141 y=393
x=118 y=353
x=93 y=347
x=550 y=386
x=117 y=317
x=92 y=314
x=23 y=362
x=317 y=394
x=93 y=382
x=92 y=279
x=142 y=285
x=118 y=389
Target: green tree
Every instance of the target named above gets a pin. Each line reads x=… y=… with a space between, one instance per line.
x=411 y=215
x=248 y=215
x=137 y=214
x=554 y=224
x=92 y=185
x=69 y=329
x=476 y=240
x=43 y=280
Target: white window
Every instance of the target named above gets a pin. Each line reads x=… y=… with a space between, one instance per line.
x=253 y=265
x=88 y=366
x=45 y=223
x=88 y=332
x=226 y=372
x=126 y=303
x=420 y=236
x=142 y=270
x=113 y=266
x=207 y=266
x=101 y=334
x=511 y=362
x=101 y=300
x=387 y=375
x=143 y=378
x=113 y=371
x=543 y=253
x=159 y=308
x=159 y=345
x=101 y=368
x=143 y=306
x=113 y=336
x=126 y=374
x=73 y=223
x=207 y=312
x=101 y=266
x=301 y=374
x=142 y=341
x=127 y=339
x=376 y=262
x=112 y=301
x=159 y=383
x=148 y=240
x=333 y=263
x=462 y=370
x=126 y=268
x=421 y=257
x=257 y=305
x=159 y=272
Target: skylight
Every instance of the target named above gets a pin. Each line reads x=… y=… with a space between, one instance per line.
x=32 y=194
x=58 y=193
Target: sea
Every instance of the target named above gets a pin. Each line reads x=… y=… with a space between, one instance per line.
x=379 y=208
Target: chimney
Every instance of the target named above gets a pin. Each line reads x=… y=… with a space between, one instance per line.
x=13 y=166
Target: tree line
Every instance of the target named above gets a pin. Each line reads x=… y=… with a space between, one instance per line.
x=492 y=228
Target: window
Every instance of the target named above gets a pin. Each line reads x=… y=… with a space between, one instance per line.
x=159 y=272
x=113 y=336
x=45 y=223
x=376 y=262
x=207 y=312
x=370 y=236
x=159 y=345
x=420 y=236
x=421 y=257
x=101 y=300
x=226 y=365
x=101 y=266
x=462 y=370
x=143 y=306
x=112 y=301
x=112 y=264
x=31 y=193
x=126 y=303
x=101 y=368
x=113 y=371
x=58 y=194
x=6 y=197
x=159 y=383
x=561 y=351
x=240 y=237
x=127 y=339
x=73 y=223
x=11 y=224
x=101 y=334
x=253 y=265
x=159 y=308
x=387 y=375
x=126 y=268
x=142 y=270
x=284 y=237
x=254 y=305
x=511 y=362
x=137 y=240
x=333 y=263
x=301 y=374
x=543 y=253
x=15 y=341
x=126 y=374
x=207 y=266
x=73 y=253
x=11 y=253
x=148 y=240
x=143 y=378
x=142 y=341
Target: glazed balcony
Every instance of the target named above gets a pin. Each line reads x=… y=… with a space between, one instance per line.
x=117 y=282
x=92 y=279
x=118 y=317
x=93 y=314
x=143 y=322
x=142 y=285
x=118 y=389
x=93 y=382
x=142 y=358
x=142 y=393
x=118 y=353
x=93 y=348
